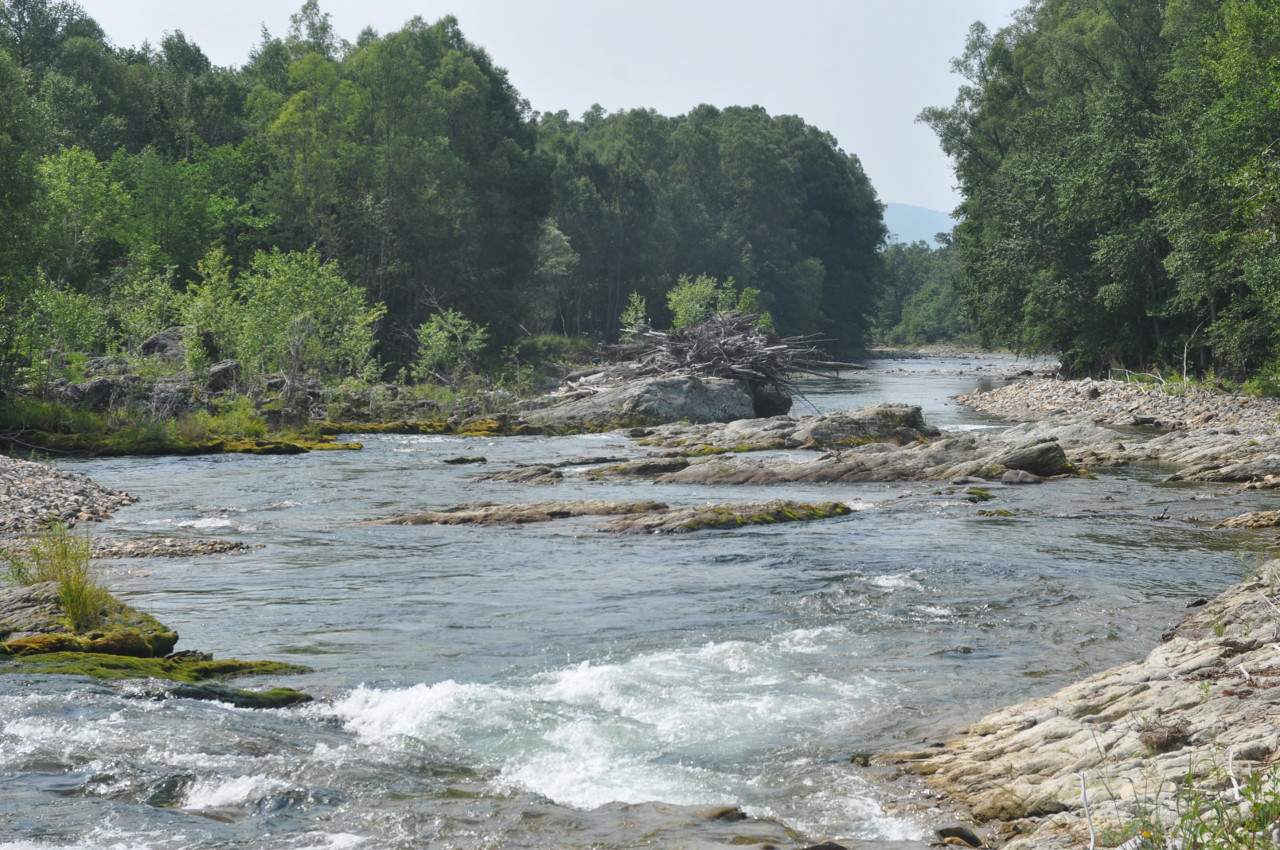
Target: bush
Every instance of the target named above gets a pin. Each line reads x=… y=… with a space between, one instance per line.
x=693 y=300
x=61 y=556
x=449 y=347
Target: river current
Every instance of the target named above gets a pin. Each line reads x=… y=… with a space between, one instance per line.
x=551 y=686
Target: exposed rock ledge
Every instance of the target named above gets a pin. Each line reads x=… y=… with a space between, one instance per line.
x=1199 y=709
x=632 y=517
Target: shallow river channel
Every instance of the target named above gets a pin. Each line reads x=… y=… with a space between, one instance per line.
x=552 y=686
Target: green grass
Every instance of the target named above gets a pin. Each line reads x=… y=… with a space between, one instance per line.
x=62 y=556
x=1220 y=812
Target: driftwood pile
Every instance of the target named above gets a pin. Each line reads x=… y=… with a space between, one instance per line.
x=727 y=345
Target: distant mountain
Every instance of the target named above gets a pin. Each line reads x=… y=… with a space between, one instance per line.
x=914 y=224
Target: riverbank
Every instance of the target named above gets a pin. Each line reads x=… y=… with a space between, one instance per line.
x=1148 y=745
x=1180 y=742
x=34 y=494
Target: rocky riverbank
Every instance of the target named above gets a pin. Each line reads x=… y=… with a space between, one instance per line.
x=1124 y=756
x=34 y=494
x=1127 y=748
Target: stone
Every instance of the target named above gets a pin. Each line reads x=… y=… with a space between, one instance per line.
x=1020 y=476
x=1200 y=700
x=959 y=835
x=1045 y=459
x=168 y=345
x=687 y=520
x=650 y=401
x=222 y=376
x=488 y=513
x=31 y=609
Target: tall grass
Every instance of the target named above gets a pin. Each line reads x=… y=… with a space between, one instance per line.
x=1225 y=814
x=60 y=555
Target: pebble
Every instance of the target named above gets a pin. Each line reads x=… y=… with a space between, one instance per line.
x=1118 y=403
x=32 y=494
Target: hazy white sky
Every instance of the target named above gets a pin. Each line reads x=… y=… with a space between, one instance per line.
x=859 y=69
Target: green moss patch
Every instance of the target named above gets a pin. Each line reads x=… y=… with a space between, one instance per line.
x=107 y=667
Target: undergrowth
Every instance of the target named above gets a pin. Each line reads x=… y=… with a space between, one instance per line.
x=1218 y=812
x=60 y=555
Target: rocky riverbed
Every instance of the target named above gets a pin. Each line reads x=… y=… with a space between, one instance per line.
x=34 y=494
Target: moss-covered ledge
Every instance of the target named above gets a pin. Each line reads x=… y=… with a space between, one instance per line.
x=36 y=639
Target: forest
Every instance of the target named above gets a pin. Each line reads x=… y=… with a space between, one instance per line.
x=345 y=209
x=1118 y=165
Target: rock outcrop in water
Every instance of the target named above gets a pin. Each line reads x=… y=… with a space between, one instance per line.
x=124 y=644
x=649 y=401
x=633 y=517
x=1197 y=715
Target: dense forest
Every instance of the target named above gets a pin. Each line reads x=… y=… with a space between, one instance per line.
x=335 y=208
x=1121 y=186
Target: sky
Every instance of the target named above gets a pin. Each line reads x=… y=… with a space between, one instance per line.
x=859 y=69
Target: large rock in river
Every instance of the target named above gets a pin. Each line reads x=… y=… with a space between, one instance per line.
x=651 y=401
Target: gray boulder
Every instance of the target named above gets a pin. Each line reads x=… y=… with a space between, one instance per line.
x=223 y=376
x=650 y=401
x=169 y=345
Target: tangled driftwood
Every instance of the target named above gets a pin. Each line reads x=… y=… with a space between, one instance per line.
x=727 y=345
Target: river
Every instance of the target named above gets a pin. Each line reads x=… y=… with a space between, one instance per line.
x=551 y=686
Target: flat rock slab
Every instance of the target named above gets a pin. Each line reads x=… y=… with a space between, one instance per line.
x=633 y=517
x=488 y=513
x=1253 y=519
x=686 y=520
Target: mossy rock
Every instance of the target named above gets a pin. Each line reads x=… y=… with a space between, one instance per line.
x=685 y=520
x=976 y=495
x=113 y=667
x=130 y=642
x=265 y=447
x=216 y=692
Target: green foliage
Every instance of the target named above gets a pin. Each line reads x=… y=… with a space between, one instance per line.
x=920 y=305
x=57 y=554
x=636 y=312
x=1117 y=166
x=302 y=317
x=449 y=347
x=141 y=304
x=736 y=193
x=694 y=300
x=1231 y=815
x=405 y=165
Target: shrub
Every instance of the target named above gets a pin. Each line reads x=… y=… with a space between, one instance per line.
x=449 y=345
x=61 y=556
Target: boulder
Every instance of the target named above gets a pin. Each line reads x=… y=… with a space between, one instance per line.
x=1044 y=459
x=487 y=513
x=650 y=401
x=31 y=609
x=106 y=391
x=169 y=345
x=223 y=375
x=32 y=622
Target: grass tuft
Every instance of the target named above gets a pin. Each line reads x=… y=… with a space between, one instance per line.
x=62 y=556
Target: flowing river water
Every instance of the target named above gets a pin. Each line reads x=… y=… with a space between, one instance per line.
x=551 y=686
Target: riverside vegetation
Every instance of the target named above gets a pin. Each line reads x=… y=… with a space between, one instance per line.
x=55 y=617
